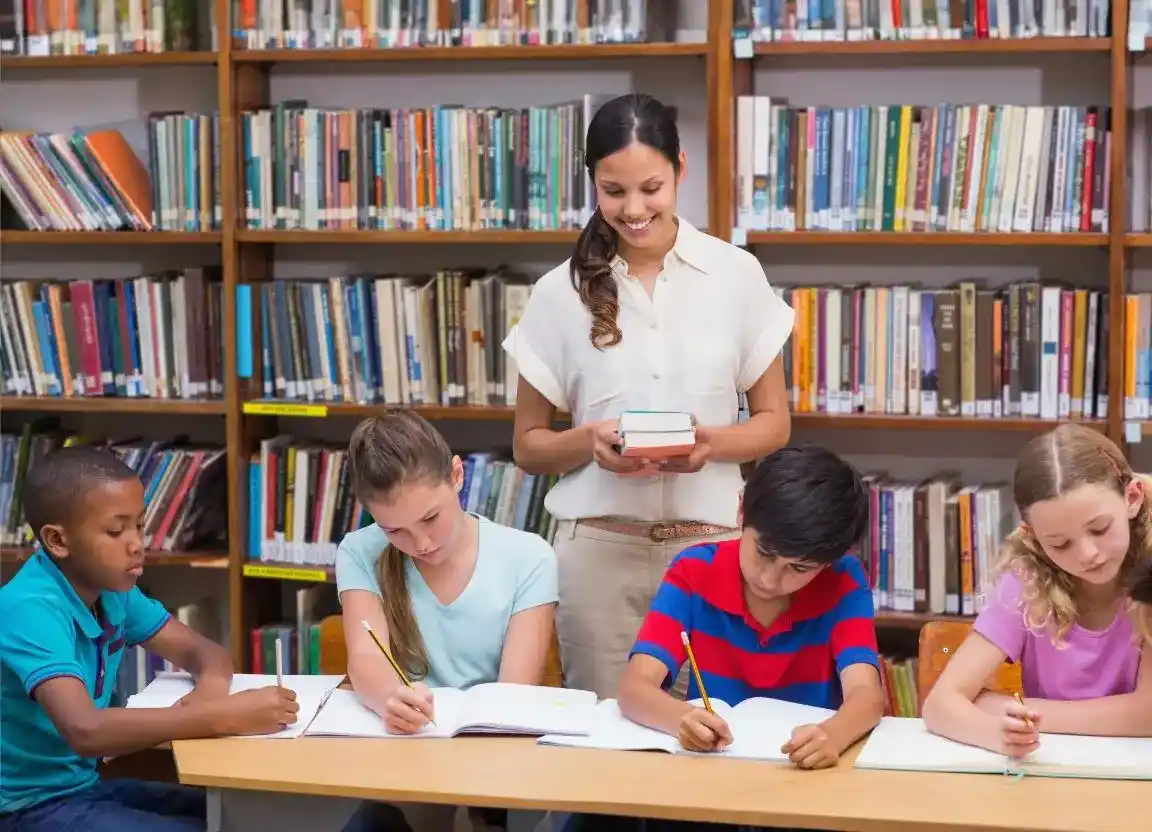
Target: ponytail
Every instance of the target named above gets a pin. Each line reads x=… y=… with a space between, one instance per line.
x=591 y=270
x=405 y=640
x=387 y=452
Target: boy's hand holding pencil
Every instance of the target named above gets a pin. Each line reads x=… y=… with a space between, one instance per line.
x=701 y=729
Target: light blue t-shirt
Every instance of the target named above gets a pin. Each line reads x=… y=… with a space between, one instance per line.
x=47 y=631
x=464 y=640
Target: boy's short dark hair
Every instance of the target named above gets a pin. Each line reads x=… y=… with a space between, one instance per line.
x=56 y=484
x=807 y=504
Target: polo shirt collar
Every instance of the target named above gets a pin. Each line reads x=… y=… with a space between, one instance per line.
x=725 y=591
x=111 y=607
x=688 y=249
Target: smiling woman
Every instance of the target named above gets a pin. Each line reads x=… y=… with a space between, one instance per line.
x=648 y=314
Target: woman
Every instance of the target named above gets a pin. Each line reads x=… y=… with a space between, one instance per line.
x=648 y=314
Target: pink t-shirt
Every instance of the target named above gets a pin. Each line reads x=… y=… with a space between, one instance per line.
x=1087 y=665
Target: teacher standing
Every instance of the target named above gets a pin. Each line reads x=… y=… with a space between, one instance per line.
x=648 y=314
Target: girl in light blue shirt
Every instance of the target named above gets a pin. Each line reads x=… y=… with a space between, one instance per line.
x=460 y=600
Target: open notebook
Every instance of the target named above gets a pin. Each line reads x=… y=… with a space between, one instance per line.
x=495 y=708
x=904 y=744
x=166 y=689
x=760 y=727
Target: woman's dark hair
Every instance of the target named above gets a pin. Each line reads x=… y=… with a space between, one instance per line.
x=620 y=122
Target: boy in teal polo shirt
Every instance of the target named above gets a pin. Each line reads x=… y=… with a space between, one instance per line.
x=65 y=620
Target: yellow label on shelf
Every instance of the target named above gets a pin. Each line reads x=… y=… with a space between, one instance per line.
x=284 y=573
x=285 y=409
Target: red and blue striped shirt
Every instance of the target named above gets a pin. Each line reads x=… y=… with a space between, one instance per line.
x=828 y=626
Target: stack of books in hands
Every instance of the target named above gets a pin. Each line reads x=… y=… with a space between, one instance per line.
x=656 y=434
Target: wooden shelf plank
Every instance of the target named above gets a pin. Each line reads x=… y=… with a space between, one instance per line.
x=199 y=560
x=932 y=238
x=62 y=404
x=808 y=420
x=913 y=620
x=374 y=237
x=557 y=52
x=132 y=59
x=999 y=46
x=84 y=238
x=1138 y=240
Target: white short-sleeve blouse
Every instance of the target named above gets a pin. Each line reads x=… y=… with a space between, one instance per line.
x=711 y=328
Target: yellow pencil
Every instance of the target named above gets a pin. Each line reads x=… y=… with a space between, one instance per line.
x=1027 y=721
x=696 y=673
x=388 y=655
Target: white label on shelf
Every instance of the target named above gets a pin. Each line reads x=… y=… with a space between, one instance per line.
x=1133 y=432
x=739 y=237
x=742 y=48
x=1137 y=36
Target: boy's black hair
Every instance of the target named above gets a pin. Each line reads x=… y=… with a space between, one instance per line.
x=1140 y=588
x=806 y=504
x=57 y=483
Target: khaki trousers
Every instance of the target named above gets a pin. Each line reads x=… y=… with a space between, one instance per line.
x=607 y=583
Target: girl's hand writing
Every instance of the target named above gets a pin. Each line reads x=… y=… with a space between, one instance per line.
x=408 y=709
x=811 y=747
x=703 y=731
x=260 y=711
x=604 y=442
x=1019 y=731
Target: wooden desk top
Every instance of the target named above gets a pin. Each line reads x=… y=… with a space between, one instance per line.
x=518 y=774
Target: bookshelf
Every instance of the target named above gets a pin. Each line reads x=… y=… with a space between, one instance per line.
x=245 y=80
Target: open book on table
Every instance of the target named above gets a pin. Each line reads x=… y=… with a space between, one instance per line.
x=904 y=744
x=167 y=688
x=760 y=728
x=495 y=708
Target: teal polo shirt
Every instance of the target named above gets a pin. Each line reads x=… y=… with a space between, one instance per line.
x=47 y=631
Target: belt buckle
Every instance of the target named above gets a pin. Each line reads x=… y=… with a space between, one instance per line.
x=661 y=532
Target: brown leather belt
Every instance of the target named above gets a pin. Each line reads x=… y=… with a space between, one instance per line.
x=656 y=532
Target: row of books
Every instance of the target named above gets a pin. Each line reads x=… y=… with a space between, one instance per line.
x=860 y=20
x=158 y=336
x=1140 y=166
x=298 y=634
x=431 y=339
x=1138 y=356
x=901 y=686
x=1029 y=350
x=300 y=503
x=184 y=485
x=97 y=181
x=930 y=546
x=948 y=167
x=439 y=168
x=104 y=27
x=385 y=24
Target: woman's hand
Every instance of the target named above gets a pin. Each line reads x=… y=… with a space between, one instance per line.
x=604 y=442
x=693 y=462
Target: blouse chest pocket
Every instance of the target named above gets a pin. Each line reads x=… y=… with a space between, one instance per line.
x=710 y=364
x=600 y=380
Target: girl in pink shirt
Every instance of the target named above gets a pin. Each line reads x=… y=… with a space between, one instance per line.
x=1059 y=606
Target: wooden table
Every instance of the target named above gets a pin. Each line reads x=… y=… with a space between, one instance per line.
x=516 y=773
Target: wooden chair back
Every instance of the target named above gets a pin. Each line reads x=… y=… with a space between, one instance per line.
x=939 y=640
x=334 y=653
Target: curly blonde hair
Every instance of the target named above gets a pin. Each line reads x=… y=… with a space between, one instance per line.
x=1051 y=465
